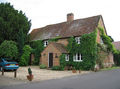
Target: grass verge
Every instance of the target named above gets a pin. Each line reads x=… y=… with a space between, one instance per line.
x=115 y=67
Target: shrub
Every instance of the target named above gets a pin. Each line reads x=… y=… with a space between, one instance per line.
x=117 y=58
x=62 y=60
x=25 y=56
x=38 y=47
x=8 y=49
x=57 y=68
x=43 y=66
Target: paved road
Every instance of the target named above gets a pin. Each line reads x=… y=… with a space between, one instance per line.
x=100 y=80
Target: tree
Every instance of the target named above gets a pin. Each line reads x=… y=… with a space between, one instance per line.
x=21 y=42
x=8 y=49
x=11 y=22
x=25 y=56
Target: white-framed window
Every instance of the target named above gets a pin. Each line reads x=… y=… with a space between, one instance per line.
x=77 y=57
x=77 y=39
x=67 y=57
x=45 y=43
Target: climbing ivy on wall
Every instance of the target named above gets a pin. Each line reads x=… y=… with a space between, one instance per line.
x=38 y=47
x=87 y=48
x=101 y=54
x=104 y=49
x=107 y=41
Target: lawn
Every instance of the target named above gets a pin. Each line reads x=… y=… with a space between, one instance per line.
x=115 y=67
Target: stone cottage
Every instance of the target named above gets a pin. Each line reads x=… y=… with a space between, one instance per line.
x=65 y=30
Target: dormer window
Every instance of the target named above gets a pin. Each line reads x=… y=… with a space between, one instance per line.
x=45 y=43
x=77 y=39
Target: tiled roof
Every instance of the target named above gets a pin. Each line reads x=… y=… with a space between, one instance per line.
x=66 y=29
x=60 y=47
x=117 y=45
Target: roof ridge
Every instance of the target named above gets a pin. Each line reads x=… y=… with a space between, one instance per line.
x=66 y=21
x=77 y=27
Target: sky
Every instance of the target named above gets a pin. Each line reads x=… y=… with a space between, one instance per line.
x=46 y=12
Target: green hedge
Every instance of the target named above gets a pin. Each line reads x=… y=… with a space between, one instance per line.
x=58 y=68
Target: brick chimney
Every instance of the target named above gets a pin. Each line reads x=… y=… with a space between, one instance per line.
x=70 y=17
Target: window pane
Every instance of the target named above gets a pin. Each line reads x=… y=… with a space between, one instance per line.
x=74 y=58
x=67 y=57
x=45 y=43
x=77 y=39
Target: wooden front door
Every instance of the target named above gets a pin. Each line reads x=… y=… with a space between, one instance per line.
x=50 y=60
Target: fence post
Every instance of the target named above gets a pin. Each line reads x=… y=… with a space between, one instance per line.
x=2 y=71
x=15 y=73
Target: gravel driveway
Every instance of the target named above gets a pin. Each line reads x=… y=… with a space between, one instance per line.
x=40 y=74
x=7 y=81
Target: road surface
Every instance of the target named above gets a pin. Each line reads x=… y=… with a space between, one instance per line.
x=100 y=80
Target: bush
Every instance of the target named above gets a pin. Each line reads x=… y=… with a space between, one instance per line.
x=9 y=49
x=62 y=60
x=117 y=58
x=57 y=68
x=25 y=56
x=38 y=47
x=43 y=66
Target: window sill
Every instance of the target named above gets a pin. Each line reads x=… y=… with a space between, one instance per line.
x=78 y=60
